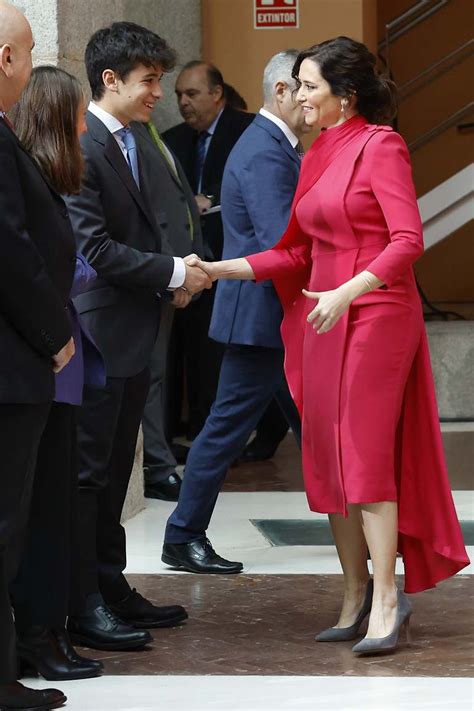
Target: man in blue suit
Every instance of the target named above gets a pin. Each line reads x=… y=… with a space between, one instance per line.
x=257 y=191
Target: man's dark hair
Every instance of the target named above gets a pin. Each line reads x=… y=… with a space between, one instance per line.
x=121 y=47
x=214 y=76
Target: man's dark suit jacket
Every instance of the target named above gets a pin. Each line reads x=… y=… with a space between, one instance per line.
x=170 y=198
x=182 y=140
x=37 y=260
x=117 y=233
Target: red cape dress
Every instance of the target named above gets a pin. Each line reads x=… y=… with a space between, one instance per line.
x=365 y=389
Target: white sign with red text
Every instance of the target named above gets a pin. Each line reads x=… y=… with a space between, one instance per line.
x=275 y=14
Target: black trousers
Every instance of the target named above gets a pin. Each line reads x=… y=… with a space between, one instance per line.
x=21 y=427
x=108 y=424
x=41 y=590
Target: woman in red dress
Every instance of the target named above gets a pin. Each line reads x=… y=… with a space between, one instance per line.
x=357 y=359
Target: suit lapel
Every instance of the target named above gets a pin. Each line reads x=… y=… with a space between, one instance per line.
x=114 y=156
x=278 y=134
x=218 y=140
x=22 y=148
x=146 y=138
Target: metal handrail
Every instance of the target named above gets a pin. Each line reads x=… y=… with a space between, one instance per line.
x=401 y=19
x=440 y=127
x=405 y=88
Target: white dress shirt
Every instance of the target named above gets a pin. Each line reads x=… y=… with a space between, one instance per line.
x=112 y=124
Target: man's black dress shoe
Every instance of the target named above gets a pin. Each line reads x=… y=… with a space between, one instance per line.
x=101 y=629
x=139 y=612
x=37 y=648
x=259 y=450
x=167 y=489
x=15 y=696
x=64 y=643
x=198 y=557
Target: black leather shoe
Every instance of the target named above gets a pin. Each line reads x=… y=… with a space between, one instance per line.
x=167 y=489
x=15 y=696
x=198 y=557
x=259 y=451
x=64 y=643
x=139 y=612
x=38 y=649
x=101 y=629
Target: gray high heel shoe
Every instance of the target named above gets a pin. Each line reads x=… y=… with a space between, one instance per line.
x=344 y=634
x=388 y=643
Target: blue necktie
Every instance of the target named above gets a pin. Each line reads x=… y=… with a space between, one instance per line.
x=200 y=158
x=131 y=147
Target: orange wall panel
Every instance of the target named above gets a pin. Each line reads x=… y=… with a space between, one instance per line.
x=241 y=52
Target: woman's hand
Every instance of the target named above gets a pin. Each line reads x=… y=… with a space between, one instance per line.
x=331 y=305
x=194 y=261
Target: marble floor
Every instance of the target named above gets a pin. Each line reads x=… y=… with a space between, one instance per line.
x=248 y=644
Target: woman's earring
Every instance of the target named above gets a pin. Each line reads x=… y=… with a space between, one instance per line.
x=343 y=106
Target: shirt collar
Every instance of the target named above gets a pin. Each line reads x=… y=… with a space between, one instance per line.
x=213 y=125
x=109 y=121
x=281 y=125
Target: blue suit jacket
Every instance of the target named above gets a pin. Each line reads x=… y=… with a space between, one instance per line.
x=258 y=186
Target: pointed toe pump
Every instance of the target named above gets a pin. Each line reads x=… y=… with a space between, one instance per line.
x=388 y=643
x=344 y=634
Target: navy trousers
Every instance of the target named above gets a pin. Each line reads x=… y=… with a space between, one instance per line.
x=250 y=377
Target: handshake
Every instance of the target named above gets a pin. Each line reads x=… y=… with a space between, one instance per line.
x=198 y=274
x=198 y=277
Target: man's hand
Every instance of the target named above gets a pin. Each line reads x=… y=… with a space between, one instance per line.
x=61 y=359
x=196 y=279
x=203 y=203
x=181 y=298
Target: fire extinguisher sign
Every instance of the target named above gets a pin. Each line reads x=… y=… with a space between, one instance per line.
x=275 y=14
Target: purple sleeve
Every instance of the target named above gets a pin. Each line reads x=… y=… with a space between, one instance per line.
x=83 y=275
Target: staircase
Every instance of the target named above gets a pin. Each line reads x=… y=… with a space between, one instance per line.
x=427 y=48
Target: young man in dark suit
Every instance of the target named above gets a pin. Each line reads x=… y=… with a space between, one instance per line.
x=37 y=256
x=202 y=144
x=257 y=191
x=118 y=234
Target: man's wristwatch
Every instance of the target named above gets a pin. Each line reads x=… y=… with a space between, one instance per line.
x=212 y=199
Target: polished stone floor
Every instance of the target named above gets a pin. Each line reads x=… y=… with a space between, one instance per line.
x=265 y=625
x=249 y=641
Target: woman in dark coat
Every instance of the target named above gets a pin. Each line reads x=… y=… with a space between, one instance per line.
x=49 y=120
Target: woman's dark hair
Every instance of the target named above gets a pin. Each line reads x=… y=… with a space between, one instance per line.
x=45 y=120
x=349 y=69
x=121 y=47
